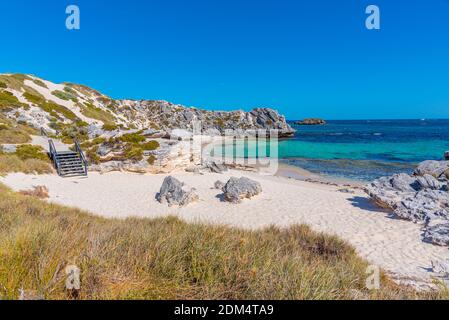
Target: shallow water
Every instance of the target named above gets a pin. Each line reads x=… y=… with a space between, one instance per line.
x=361 y=149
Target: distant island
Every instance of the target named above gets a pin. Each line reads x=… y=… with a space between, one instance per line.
x=310 y=122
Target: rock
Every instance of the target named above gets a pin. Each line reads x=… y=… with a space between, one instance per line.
x=94 y=131
x=432 y=167
x=441 y=268
x=438 y=234
x=219 y=185
x=421 y=198
x=104 y=150
x=174 y=192
x=446 y=155
x=429 y=182
x=403 y=182
x=214 y=167
x=310 y=122
x=8 y=148
x=180 y=134
x=237 y=189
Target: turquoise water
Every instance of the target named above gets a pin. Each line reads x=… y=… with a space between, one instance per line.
x=363 y=149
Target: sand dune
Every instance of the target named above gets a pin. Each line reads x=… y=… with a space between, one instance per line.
x=392 y=244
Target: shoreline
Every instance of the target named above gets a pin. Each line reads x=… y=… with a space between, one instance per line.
x=392 y=244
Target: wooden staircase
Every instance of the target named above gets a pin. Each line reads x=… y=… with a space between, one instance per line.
x=68 y=163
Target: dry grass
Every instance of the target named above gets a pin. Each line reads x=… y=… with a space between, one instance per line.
x=169 y=259
x=40 y=192
x=12 y=163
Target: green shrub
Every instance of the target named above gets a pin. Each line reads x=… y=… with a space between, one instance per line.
x=55 y=110
x=8 y=97
x=133 y=153
x=110 y=127
x=91 y=111
x=71 y=132
x=3 y=126
x=27 y=151
x=3 y=85
x=151 y=159
x=150 y=145
x=92 y=155
x=34 y=98
x=64 y=95
x=133 y=138
x=40 y=83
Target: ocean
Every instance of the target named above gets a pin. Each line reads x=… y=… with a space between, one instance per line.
x=360 y=150
x=365 y=149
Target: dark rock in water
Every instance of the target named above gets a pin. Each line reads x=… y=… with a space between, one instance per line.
x=438 y=234
x=174 y=192
x=237 y=189
x=311 y=122
x=446 y=155
x=422 y=198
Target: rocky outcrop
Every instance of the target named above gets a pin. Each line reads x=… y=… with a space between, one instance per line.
x=310 y=122
x=174 y=192
x=237 y=189
x=422 y=198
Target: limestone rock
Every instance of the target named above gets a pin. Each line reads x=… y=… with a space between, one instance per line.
x=438 y=234
x=434 y=168
x=422 y=198
x=174 y=192
x=214 y=167
x=237 y=189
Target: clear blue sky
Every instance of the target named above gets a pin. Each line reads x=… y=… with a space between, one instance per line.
x=306 y=58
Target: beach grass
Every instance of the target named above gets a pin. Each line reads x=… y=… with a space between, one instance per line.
x=170 y=259
x=13 y=163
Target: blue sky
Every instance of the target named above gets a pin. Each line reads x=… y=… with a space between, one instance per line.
x=304 y=58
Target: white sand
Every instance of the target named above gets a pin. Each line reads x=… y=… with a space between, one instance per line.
x=394 y=245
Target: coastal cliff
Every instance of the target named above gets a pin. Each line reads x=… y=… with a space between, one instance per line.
x=132 y=135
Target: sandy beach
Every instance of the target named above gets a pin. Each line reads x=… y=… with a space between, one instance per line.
x=392 y=244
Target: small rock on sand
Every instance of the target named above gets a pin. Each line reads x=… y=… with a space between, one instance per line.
x=237 y=189
x=174 y=192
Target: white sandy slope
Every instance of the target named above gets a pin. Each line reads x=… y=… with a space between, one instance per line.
x=392 y=244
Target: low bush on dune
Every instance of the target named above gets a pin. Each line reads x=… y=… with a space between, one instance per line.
x=27 y=151
x=15 y=135
x=169 y=259
x=91 y=111
x=40 y=83
x=10 y=163
x=150 y=145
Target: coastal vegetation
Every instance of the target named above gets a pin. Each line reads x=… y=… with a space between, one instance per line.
x=91 y=111
x=10 y=163
x=170 y=259
x=11 y=133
